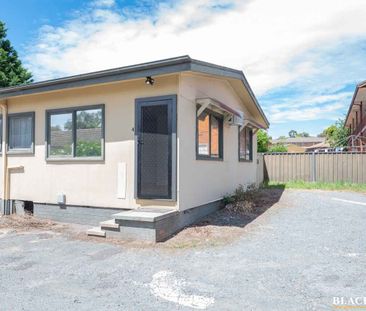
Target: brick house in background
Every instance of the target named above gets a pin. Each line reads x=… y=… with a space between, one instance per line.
x=301 y=144
x=356 y=119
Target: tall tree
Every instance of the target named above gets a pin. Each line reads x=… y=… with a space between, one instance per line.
x=337 y=134
x=12 y=71
x=262 y=141
x=292 y=133
x=302 y=134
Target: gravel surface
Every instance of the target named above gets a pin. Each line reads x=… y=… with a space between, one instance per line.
x=297 y=255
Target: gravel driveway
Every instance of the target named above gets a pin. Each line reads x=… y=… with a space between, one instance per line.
x=298 y=255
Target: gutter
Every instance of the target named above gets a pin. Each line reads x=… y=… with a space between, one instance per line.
x=4 y=111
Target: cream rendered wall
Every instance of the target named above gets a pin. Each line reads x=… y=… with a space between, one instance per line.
x=85 y=183
x=202 y=181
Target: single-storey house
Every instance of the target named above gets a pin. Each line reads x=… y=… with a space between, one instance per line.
x=300 y=141
x=301 y=144
x=150 y=147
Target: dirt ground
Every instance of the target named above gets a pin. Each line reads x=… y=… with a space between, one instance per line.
x=222 y=227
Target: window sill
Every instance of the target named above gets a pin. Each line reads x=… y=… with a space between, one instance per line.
x=19 y=152
x=209 y=158
x=245 y=161
x=83 y=159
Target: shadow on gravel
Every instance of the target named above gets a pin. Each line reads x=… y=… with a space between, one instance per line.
x=227 y=224
x=259 y=202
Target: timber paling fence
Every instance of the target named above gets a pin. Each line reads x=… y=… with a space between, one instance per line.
x=315 y=167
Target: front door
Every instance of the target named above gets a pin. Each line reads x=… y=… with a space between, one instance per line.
x=155 y=141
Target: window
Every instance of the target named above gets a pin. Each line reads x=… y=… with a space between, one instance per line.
x=21 y=132
x=245 y=144
x=209 y=135
x=75 y=132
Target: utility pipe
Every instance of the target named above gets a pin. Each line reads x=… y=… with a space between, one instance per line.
x=4 y=111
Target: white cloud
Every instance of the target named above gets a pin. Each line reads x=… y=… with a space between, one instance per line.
x=298 y=114
x=311 y=45
x=310 y=101
x=259 y=36
x=103 y=3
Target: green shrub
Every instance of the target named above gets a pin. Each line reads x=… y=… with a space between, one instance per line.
x=241 y=194
x=88 y=149
x=278 y=148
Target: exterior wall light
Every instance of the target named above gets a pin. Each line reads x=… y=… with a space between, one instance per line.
x=149 y=81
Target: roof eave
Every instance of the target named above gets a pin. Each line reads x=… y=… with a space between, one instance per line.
x=358 y=86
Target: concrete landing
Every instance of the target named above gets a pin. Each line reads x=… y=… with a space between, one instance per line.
x=151 y=224
x=145 y=214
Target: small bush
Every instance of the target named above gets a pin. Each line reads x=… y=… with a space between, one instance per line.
x=278 y=148
x=228 y=199
x=242 y=200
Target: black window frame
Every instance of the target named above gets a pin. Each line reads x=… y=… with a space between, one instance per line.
x=73 y=111
x=245 y=130
x=221 y=136
x=19 y=150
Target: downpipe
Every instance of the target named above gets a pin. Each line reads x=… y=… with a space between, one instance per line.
x=5 y=199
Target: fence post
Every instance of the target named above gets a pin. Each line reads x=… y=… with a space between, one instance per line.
x=313 y=167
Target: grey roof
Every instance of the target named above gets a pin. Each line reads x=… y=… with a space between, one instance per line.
x=166 y=66
x=298 y=140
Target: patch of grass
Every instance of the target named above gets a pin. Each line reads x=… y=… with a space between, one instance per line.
x=338 y=186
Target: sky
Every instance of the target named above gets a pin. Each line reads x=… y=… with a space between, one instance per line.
x=302 y=58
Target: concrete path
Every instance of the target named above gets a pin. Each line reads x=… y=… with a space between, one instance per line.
x=308 y=248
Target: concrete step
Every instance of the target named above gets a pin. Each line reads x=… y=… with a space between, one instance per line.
x=109 y=224
x=96 y=231
x=145 y=214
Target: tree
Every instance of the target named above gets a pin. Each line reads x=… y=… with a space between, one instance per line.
x=302 y=134
x=12 y=71
x=262 y=141
x=278 y=148
x=292 y=133
x=86 y=120
x=337 y=134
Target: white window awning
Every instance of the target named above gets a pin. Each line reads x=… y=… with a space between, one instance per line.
x=217 y=106
x=252 y=124
x=232 y=116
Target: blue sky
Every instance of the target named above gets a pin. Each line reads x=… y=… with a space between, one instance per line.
x=302 y=58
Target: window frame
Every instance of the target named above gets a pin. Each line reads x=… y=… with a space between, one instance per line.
x=221 y=137
x=19 y=151
x=73 y=111
x=251 y=142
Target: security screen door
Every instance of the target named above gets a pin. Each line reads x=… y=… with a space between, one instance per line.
x=155 y=141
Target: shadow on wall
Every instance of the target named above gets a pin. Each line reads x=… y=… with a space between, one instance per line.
x=245 y=212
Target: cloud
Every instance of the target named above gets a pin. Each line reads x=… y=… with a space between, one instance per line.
x=298 y=114
x=285 y=47
x=311 y=101
x=103 y=3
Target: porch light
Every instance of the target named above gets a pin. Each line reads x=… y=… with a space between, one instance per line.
x=149 y=81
